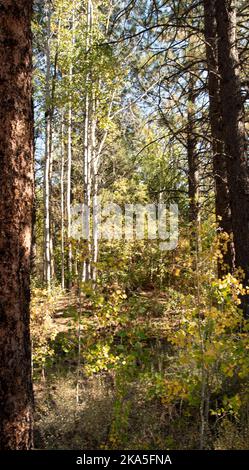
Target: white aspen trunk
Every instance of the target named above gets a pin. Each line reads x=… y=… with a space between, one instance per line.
x=96 y=156
x=51 y=152
x=69 y=166
x=86 y=270
x=48 y=168
x=87 y=154
x=69 y=172
x=51 y=244
x=47 y=258
x=95 y=168
x=62 y=205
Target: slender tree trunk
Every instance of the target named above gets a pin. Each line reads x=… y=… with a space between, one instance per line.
x=52 y=107
x=49 y=261
x=69 y=166
x=47 y=166
x=95 y=176
x=95 y=169
x=50 y=202
x=193 y=171
x=222 y=199
x=69 y=175
x=87 y=152
x=16 y=210
x=87 y=193
x=234 y=130
x=62 y=205
x=33 y=245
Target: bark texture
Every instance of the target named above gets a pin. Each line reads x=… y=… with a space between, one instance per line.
x=16 y=209
x=222 y=197
x=233 y=130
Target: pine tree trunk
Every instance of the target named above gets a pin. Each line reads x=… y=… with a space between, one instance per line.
x=222 y=200
x=16 y=209
x=234 y=130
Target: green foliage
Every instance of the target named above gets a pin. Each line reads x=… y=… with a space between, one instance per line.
x=156 y=348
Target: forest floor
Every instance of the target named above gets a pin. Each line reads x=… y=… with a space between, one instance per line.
x=106 y=408
x=111 y=363
x=155 y=315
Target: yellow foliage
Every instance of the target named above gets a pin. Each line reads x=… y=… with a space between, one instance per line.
x=43 y=327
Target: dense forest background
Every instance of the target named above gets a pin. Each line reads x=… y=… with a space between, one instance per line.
x=140 y=102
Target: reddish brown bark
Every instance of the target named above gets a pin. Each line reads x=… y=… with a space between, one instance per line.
x=222 y=197
x=16 y=207
x=233 y=130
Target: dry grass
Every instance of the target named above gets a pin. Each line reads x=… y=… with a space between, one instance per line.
x=61 y=423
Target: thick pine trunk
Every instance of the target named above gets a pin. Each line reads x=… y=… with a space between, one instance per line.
x=234 y=130
x=222 y=200
x=16 y=208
